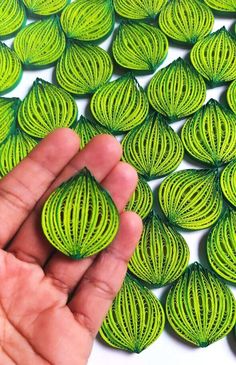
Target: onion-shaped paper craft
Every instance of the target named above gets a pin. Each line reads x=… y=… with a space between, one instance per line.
x=40 y=43
x=46 y=108
x=83 y=68
x=45 y=7
x=14 y=149
x=135 y=320
x=8 y=113
x=139 y=46
x=79 y=218
x=153 y=148
x=210 y=135
x=161 y=255
x=231 y=96
x=177 y=91
x=120 y=105
x=191 y=199
x=222 y=5
x=141 y=201
x=87 y=129
x=200 y=308
x=214 y=57
x=221 y=246
x=88 y=20
x=228 y=182
x=10 y=69
x=12 y=15
x=138 y=9
x=186 y=20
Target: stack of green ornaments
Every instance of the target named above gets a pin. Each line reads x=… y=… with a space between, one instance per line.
x=80 y=218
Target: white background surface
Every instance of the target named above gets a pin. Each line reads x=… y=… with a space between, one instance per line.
x=169 y=349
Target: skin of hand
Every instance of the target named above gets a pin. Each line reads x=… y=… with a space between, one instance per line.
x=51 y=307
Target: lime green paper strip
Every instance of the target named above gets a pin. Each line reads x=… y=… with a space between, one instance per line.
x=222 y=5
x=10 y=69
x=88 y=20
x=139 y=46
x=8 y=115
x=186 y=20
x=46 y=108
x=228 y=182
x=135 y=320
x=40 y=43
x=45 y=7
x=138 y=9
x=83 y=68
x=12 y=17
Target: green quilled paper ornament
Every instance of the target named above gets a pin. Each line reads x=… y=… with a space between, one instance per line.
x=88 y=20
x=139 y=46
x=186 y=20
x=141 y=201
x=8 y=114
x=191 y=199
x=214 y=57
x=45 y=7
x=79 y=218
x=161 y=255
x=14 y=149
x=46 y=108
x=12 y=15
x=83 y=68
x=153 y=148
x=40 y=43
x=199 y=307
x=221 y=246
x=135 y=320
x=87 y=129
x=138 y=9
x=210 y=135
x=10 y=69
x=222 y=5
x=228 y=182
x=120 y=105
x=177 y=91
x=231 y=96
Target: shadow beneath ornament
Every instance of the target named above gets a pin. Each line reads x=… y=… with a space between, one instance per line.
x=202 y=250
x=231 y=339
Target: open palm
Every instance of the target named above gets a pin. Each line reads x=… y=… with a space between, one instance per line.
x=50 y=306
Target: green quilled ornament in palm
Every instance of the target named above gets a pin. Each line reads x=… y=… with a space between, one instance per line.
x=161 y=255
x=40 y=43
x=210 y=135
x=199 y=307
x=222 y=5
x=231 y=96
x=80 y=218
x=45 y=7
x=141 y=202
x=88 y=20
x=214 y=57
x=139 y=46
x=177 y=90
x=120 y=105
x=87 y=129
x=135 y=320
x=228 y=182
x=83 y=68
x=12 y=15
x=8 y=114
x=14 y=149
x=186 y=20
x=46 y=108
x=153 y=148
x=10 y=70
x=221 y=246
x=138 y=9
x=191 y=199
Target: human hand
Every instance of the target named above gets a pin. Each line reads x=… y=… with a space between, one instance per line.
x=39 y=325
